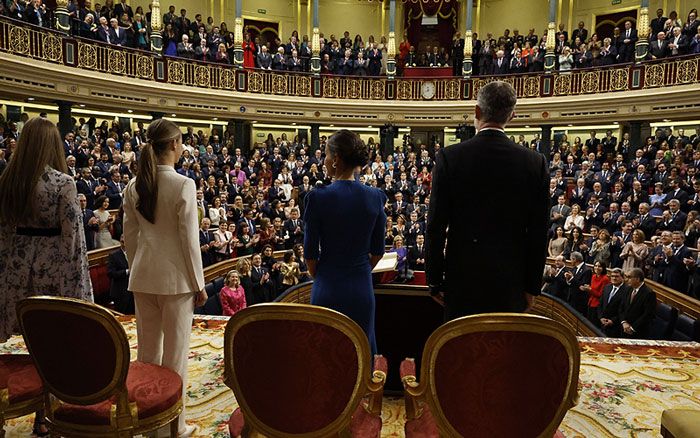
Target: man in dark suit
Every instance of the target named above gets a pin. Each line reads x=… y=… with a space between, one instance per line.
x=477 y=241
x=264 y=59
x=118 y=272
x=122 y=8
x=679 y=260
x=294 y=229
x=263 y=287
x=637 y=307
x=205 y=240
x=659 y=49
x=119 y=34
x=657 y=24
x=457 y=55
x=115 y=190
x=608 y=310
x=416 y=254
x=555 y=282
x=579 y=276
x=90 y=222
x=629 y=39
x=581 y=32
x=500 y=64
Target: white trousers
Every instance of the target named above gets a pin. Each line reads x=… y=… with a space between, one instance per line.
x=163 y=327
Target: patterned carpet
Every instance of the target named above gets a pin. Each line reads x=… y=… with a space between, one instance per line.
x=625 y=385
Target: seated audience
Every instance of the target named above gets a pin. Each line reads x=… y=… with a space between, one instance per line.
x=232 y=295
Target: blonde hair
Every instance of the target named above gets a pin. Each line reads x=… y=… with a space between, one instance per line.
x=243 y=266
x=229 y=274
x=38 y=146
x=161 y=134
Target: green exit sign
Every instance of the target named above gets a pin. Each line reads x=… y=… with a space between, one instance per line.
x=616 y=2
x=264 y=11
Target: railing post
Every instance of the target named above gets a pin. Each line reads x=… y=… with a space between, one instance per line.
x=315 y=43
x=62 y=16
x=391 y=42
x=550 y=56
x=467 y=61
x=642 y=44
x=156 y=27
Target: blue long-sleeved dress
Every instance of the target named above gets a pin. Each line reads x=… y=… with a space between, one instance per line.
x=345 y=223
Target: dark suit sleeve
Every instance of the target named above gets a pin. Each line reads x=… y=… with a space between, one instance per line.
x=115 y=270
x=644 y=319
x=438 y=218
x=537 y=230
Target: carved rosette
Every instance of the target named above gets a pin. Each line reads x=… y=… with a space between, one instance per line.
x=618 y=79
x=227 y=79
x=87 y=56
x=590 y=82
x=531 y=87
x=176 y=72
x=116 y=62
x=687 y=71
x=330 y=87
x=452 y=89
x=255 y=82
x=377 y=90
x=403 y=90
x=562 y=85
x=654 y=76
x=354 y=89
x=201 y=76
x=144 y=67
x=279 y=84
x=303 y=85
x=53 y=48
x=19 y=40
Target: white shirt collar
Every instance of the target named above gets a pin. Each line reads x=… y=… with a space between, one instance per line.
x=491 y=129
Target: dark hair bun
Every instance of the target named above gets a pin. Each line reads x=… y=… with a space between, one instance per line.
x=348 y=146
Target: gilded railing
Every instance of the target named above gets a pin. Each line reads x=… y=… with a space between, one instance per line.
x=22 y=39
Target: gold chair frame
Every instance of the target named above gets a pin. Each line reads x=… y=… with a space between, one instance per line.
x=364 y=386
x=124 y=420
x=415 y=392
x=9 y=411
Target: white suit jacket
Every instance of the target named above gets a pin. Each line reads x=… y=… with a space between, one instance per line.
x=164 y=258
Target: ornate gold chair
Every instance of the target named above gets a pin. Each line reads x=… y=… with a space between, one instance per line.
x=92 y=390
x=492 y=375
x=298 y=370
x=21 y=392
x=680 y=423
x=301 y=294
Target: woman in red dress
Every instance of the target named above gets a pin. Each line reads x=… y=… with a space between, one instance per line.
x=232 y=294
x=248 y=52
x=595 y=290
x=404 y=48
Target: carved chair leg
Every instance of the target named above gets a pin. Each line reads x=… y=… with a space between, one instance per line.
x=174 y=427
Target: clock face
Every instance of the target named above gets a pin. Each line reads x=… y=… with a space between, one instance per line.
x=428 y=89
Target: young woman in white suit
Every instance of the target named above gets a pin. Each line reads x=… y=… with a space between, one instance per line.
x=162 y=246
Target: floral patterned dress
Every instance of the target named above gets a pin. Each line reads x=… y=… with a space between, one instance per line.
x=44 y=265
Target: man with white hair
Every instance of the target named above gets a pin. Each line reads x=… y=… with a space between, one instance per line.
x=264 y=59
x=679 y=43
x=279 y=61
x=500 y=64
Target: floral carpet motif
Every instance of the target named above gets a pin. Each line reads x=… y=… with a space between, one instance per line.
x=624 y=386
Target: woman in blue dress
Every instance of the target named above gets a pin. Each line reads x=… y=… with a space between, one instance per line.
x=344 y=235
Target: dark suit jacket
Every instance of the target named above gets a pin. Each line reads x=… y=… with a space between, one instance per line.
x=117 y=267
x=290 y=229
x=413 y=255
x=659 y=52
x=261 y=292
x=638 y=313
x=477 y=240
x=90 y=230
x=578 y=298
x=609 y=308
x=502 y=70
x=677 y=274
x=556 y=285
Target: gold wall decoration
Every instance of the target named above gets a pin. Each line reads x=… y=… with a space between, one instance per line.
x=654 y=76
x=303 y=84
x=330 y=87
x=562 y=85
x=354 y=90
x=87 y=56
x=52 y=47
x=590 y=82
x=687 y=71
x=227 y=79
x=201 y=75
x=19 y=40
x=176 y=72
x=377 y=90
x=403 y=90
x=452 y=89
x=531 y=87
x=619 y=79
x=255 y=82
x=144 y=67
x=116 y=61
x=279 y=84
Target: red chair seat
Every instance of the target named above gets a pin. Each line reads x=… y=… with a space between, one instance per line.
x=425 y=427
x=363 y=424
x=154 y=389
x=19 y=377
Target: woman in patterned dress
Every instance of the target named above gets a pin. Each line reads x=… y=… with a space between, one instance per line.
x=40 y=224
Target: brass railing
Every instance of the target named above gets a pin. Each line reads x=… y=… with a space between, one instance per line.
x=21 y=39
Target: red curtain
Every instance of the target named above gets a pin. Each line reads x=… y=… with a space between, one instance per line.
x=446 y=11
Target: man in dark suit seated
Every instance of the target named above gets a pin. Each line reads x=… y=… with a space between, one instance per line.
x=608 y=310
x=118 y=272
x=555 y=282
x=637 y=307
x=477 y=241
x=579 y=276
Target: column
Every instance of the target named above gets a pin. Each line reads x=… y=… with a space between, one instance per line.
x=241 y=134
x=155 y=115
x=642 y=45
x=391 y=42
x=65 y=124
x=62 y=16
x=546 y=140
x=315 y=42
x=238 y=36
x=315 y=140
x=156 y=27
x=550 y=57
x=467 y=61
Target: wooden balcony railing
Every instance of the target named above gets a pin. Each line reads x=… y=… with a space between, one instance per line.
x=21 y=39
